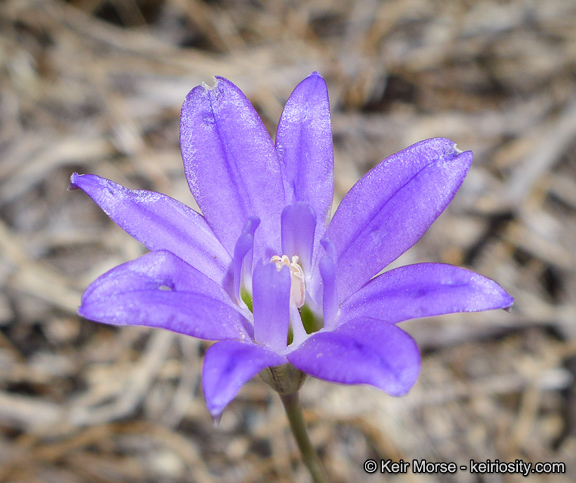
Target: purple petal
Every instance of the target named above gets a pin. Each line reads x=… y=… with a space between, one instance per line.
x=243 y=246
x=156 y=270
x=160 y=223
x=424 y=290
x=362 y=351
x=160 y=290
x=304 y=144
x=298 y=226
x=330 y=295
x=391 y=207
x=271 y=299
x=231 y=164
x=228 y=365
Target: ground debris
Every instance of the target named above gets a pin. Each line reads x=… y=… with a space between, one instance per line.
x=96 y=87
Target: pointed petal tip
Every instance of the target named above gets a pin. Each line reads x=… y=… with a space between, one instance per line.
x=501 y=298
x=453 y=152
x=73 y=178
x=445 y=148
x=81 y=181
x=216 y=418
x=228 y=365
x=306 y=90
x=508 y=301
x=316 y=78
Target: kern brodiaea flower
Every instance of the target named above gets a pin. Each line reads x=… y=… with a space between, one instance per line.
x=263 y=270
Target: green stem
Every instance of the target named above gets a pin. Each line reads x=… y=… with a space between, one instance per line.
x=297 y=425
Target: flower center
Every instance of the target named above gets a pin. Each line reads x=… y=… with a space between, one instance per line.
x=297 y=286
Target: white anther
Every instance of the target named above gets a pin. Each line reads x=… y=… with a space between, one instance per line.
x=297 y=286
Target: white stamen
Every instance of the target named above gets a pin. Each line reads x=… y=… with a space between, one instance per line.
x=297 y=287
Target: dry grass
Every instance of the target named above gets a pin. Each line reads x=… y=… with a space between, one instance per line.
x=96 y=86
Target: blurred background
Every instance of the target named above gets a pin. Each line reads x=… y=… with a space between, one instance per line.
x=95 y=86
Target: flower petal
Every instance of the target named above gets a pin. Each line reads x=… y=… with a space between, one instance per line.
x=298 y=226
x=362 y=351
x=156 y=270
x=424 y=290
x=160 y=223
x=244 y=245
x=271 y=299
x=329 y=296
x=228 y=365
x=304 y=144
x=231 y=164
x=391 y=207
x=160 y=290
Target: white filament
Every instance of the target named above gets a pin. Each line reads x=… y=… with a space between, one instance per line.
x=297 y=287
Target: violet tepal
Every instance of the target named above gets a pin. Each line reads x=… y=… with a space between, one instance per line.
x=264 y=270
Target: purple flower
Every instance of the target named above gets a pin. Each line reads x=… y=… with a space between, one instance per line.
x=264 y=271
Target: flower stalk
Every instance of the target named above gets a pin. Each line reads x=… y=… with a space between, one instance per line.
x=298 y=426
